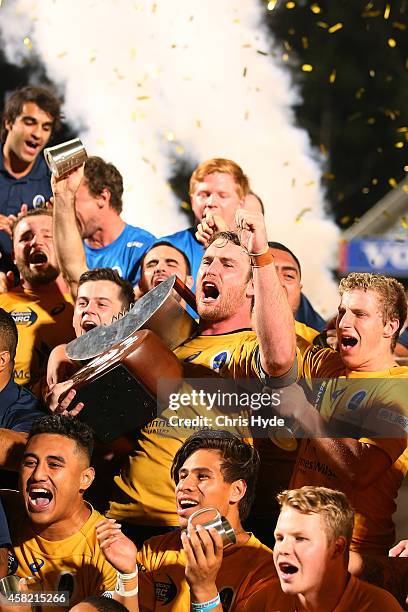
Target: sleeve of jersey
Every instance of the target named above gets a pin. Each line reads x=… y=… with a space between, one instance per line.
x=4 y=530
x=388 y=418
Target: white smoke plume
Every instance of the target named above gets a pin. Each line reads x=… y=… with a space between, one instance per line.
x=151 y=82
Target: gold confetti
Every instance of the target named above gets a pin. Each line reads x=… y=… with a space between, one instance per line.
x=271 y=5
x=236 y=21
x=62 y=54
x=286 y=163
x=185 y=205
x=359 y=93
x=244 y=72
x=305 y=42
x=92 y=59
x=329 y=176
x=143 y=98
x=392 y=182
x=335 y=28
x=371 y=120
x=293 y=182
x=154 y=7
x=134 y=116
x=322 y=24
x=387 y=11
x=345 y=219
x=300 y=215
x=261 y=52
x=27 y=42
x=133 y=54
x=285 y=57
x=287 y=45
x=332 y=76
x=246 y=115
x=371 y=73
x=386 y=214
x=399 y=145
x=198 y=123
x=405 y=188
x=402 y=129
x=290 y=5
x=370 y=13
x=179 y=150
x=399 y=26
x=375 y=181
x=315 y=8
x=170 y=136
x=309 y=183
x=404 y=222
x=307 y=67
x=365 y=190
x=392 y=42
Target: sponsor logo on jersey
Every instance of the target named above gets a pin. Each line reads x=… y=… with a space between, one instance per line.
x=134 y=243
x=165 y=590
x=12 y=563
x=24 y=317
x=220 y=360
x=355 y=400
x=38 y=201
x=192 y=357
x=36 y=565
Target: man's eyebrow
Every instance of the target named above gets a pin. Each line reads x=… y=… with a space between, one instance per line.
x=31 y=118
x=55 y=457
x=197 y=469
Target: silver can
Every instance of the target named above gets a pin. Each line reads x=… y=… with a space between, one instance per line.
x=220 y=523
x=65 y=157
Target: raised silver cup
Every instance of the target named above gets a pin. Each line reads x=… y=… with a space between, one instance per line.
x=65 y=157
x=220 y=523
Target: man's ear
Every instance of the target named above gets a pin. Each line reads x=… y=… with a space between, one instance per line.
x=87 y=478
x=390 y=328
x=104 y=197
x=250 y=290
x=189 y=281
x=4 y=360
x=8 y=125
x=237 y=490
x=340 y=547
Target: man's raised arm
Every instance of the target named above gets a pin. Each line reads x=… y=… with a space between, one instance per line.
x=273 y=318
x=67 y=239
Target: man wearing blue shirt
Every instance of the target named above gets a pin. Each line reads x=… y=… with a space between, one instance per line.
x=18 y=407
x=30 y=117
x=90 y=200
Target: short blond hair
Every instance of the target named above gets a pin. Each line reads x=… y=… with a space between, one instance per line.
x=226 y=166
x=391 y=294
x=333 y=506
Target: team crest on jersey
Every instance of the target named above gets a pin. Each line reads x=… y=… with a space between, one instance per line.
x=12 y=563
x=36 y=565
x=355 y=400
x=220 y=360
x=24 y=317
x=337 y=393
x=165 y=590
x=38 y=201
x=192 y=357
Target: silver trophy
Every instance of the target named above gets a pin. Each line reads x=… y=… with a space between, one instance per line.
x=220 y=523
x=65 y=157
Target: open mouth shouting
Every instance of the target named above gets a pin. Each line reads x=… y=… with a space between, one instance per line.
x=209 y=292
x=37 y=258
x=32 y=146
x=39 y=499
x=287 y=570
x=87 y=325
x=347 y=342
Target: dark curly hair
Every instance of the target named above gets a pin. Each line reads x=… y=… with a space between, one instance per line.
x=67 y=427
